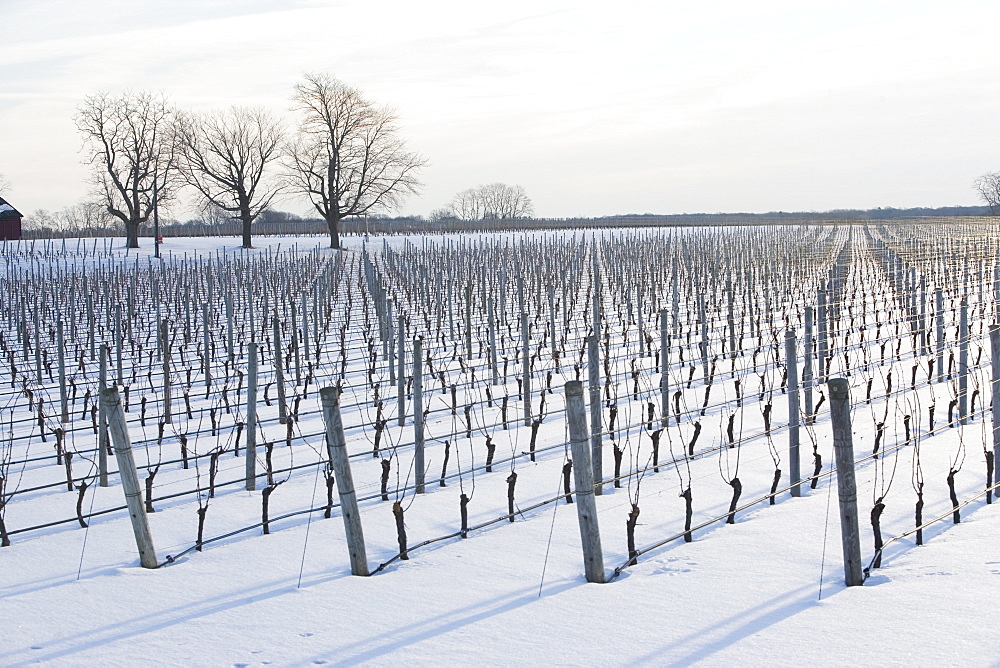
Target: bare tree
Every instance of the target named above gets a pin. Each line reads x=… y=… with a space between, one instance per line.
x=492 y=201
x=348 y=157
x=988 y=187
x=133 y=147
x=4 y=183
x=226 y=156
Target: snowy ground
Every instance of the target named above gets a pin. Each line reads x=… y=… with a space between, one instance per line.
x=767 y=590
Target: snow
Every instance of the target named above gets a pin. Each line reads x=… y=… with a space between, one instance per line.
x=767 y=590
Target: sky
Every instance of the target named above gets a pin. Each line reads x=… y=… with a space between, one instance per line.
x=594 y=108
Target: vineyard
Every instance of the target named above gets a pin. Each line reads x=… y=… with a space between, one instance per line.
x=439 y=366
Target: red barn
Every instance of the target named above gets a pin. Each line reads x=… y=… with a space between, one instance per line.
x=10 y=222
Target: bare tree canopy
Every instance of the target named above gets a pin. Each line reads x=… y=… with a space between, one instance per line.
x=988 y=187
x=4 y=183
x=226 y=157
x=348 y=157
x=492 y=201
x=133 y=147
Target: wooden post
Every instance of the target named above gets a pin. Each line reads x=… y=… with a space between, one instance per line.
x=279 y=374
x=586 y=505
x=995 y=386
x=418 y=416
x=963 y=362
x=843 y=447
x=165 y=347
x=594 y=384
x=251 y=428
x=102 y=420
x=305 y=336
x=61 y=357
x=791 y=364
x=130 y=478
x=336 y=444
x=525 y=369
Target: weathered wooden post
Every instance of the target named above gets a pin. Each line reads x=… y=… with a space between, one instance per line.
x=594 y=385
x=995 y=387
x=130 y=477
x=791 y=364
x=843 y=447
x=251 y=428
x=586 y=505
x=963 y=362
x=418 y=416
x=102 y=420
x=336 y=445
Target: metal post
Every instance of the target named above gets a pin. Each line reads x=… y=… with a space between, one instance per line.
x=963 y=362
x=939 y=326
x=418 y=416
x=130 y=478
x=336 y=445
x=586 y=505
x=494 y=373
x=995 y=387
x=791 y=364
x=102 y=420
x=401 y=372
x=821 y=312
x=61 y=358
x=664 y=370
x=165 y=346
x=206 y=346
x=843 y=447
x=525 y=370
x=594 y=383
x=279 y=371
x=807 y=367
x=251 y=428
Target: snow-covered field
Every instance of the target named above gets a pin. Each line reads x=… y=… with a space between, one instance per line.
x=768 y=589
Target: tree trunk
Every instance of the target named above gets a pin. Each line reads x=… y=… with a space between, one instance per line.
x=247 y=221
x=333 y=222
x=132 y=234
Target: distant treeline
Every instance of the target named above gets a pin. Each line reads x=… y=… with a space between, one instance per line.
x=283 y=223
